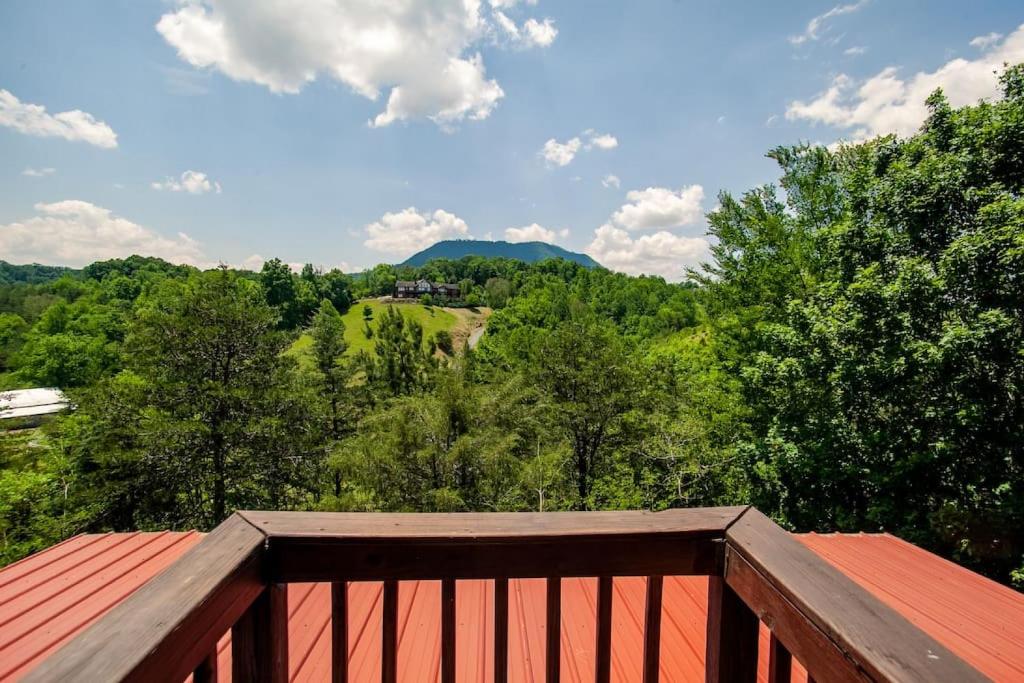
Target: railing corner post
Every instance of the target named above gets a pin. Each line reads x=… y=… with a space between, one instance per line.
x=259 y=639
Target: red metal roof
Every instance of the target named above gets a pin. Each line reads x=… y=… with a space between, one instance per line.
x=47 y=598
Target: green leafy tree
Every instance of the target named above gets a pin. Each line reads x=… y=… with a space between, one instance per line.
x=334 y=373
x=222 y=410
x=585 y=370
x=402 y=363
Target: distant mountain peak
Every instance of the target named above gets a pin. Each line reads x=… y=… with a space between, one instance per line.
x=529 y=252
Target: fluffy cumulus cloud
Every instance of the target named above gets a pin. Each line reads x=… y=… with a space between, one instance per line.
x=888 y=103
x=33 y=119
x=419 y=52
x=986 y=41
x=611 y=180
x=534 y=233
x=500 y=4
x=557 y=153
x=532 y=33
x=821 y=23
x=660 y=207
x=405 y=232
x=193 y=182
x=75 y=233
x=601 y=140
x=662 y=253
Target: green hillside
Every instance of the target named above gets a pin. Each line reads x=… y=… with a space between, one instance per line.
x=31 y=273
x=530 y=252
x=458 y=321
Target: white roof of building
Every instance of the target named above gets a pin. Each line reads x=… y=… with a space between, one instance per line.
x=31 y=402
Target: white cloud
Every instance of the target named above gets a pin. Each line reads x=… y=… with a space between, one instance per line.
x=820 y=23
x=855 y=51
x=986 y=41
x=534 y=233
x=498 y=4
x=38 y=172
x=660 y=207
x=662 y=253
x=611 y=180
x=720 y=120
x=75 y=125
x=533 y=33
x=408 y=231
x=421 y=55
x=507 y=25
x=539 y=33
x=771 y=120
x=557 y=153
x=886 y=103
x=193 y=182
x=601 y=140
x=75 y=233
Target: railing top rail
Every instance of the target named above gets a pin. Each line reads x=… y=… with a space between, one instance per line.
x=837 y=629
x=469 y=526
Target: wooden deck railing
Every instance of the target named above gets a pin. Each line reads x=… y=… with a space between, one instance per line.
x=235 y=579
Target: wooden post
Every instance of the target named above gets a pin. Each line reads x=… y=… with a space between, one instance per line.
x=206 y=672
x=780 y=662
x=553 y=659
x=339 y=632
x=259 y=639
x=448 y=631
x=389 y=637
x=501 y=631
x=603 y=641
x=732 y=636
x=652 y=629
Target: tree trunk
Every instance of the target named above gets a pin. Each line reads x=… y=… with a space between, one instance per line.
x=219 y=467
x=582 y=471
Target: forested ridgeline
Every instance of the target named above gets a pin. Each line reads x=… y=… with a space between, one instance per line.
x=852 y=358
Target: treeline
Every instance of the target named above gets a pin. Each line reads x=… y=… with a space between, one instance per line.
x=851 y=358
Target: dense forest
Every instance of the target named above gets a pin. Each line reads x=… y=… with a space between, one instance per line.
x=851 y=358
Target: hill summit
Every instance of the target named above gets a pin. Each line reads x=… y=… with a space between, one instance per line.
x=523 y=251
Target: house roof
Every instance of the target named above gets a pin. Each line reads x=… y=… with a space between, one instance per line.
x=31 y=402
x=47 y=598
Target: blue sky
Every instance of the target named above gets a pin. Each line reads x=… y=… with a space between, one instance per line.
x=234 y=130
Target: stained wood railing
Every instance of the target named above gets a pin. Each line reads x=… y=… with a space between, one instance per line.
x=236 y=579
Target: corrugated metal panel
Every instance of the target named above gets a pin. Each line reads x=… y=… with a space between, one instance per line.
x=47 y=598
x=31 y=402
x=978 y=619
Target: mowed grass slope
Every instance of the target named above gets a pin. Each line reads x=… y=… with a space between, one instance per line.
x=458 y=321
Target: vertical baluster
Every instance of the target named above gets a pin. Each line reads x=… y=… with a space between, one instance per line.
x=501 y=631
x=339 y=632
x=206 y=672
x=780 y=662
x=389 y=637
x=553 y=660
x=259 y=639
x=448 y=631
x=652 y=629
x=732 y=636
x=603 y=644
